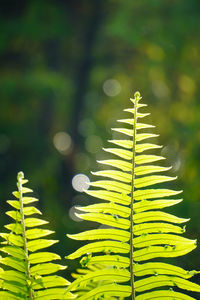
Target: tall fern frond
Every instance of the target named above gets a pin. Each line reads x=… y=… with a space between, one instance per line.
x=137 y=229
x=27 y=271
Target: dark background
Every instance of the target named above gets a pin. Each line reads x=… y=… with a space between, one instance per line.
x=71 y=66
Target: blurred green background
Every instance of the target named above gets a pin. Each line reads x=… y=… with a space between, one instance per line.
x=67 y=70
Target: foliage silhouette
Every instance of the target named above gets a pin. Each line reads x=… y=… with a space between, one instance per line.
x=135 y=230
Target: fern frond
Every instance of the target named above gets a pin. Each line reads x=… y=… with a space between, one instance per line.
x=27 y=270
x=137 y=228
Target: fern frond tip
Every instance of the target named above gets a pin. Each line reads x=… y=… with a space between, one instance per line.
x=137 y=95
x=20 y=175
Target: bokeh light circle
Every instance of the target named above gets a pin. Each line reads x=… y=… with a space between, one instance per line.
x=80 y=182
x=62 y=142
x=112 y=87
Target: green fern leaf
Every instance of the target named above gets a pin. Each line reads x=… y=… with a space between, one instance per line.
x=27 y=273
x=85 y=290
x=138 y=230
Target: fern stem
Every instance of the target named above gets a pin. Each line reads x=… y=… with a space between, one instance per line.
x=136 y=98
x=20 y=178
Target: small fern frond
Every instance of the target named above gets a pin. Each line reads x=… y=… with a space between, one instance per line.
x=27 y=271
x=136 y=229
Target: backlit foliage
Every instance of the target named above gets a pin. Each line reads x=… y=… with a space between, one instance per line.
x=26 y=271
x=136 y=232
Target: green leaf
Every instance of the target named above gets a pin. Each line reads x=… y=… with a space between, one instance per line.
x=128 y=144
x=161 y=269
x=13 y=275
x=28 y=200
x=146 y=146
x=40 y=244
x=99 y=234
x=120 y=164
x=162 y=280
x=107 y=260
x=53 y=294
x=14 y=239
x=4 y=295
x=121 y=176
x=14 y=262
x=14 y=251
x=14 y=203
x=164 y=294
x=144 y=170
x=110 y=208
x=49 y=281
x=30 y=210
x=154 y=193
x=14 y=227
x=145 y=205
x=161 y=239
x=157 y=216
x=110 y=196
x=106 y=247
x=33 y=222
x=107 y=291
x=15 y=287
x=37 y=233
x=116 y=275
x=151 y=180
x=165 y=251
x=41 y=257
x=112 y=185
x=46 y=268
x=14 y=214
x=151 y=227
x=120 y=152
x=106 y=220
x=145 y=159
